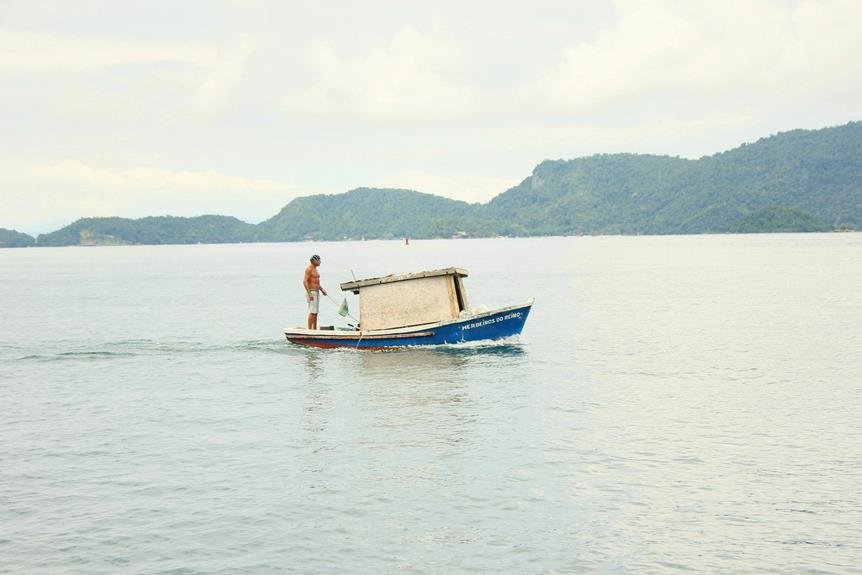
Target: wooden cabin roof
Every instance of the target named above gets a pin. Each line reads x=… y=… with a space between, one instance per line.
x=355 y=286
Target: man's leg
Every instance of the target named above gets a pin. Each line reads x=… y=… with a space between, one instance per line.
x=313 y=307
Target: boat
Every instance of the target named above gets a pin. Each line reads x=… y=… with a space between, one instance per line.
x=415 y=309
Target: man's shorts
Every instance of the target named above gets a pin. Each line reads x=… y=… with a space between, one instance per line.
x=314 y=305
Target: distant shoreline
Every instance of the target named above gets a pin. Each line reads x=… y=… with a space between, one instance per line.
x=401 y=240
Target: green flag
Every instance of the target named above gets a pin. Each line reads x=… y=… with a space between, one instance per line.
x=342 y=309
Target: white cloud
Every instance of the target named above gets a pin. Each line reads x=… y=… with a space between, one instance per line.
x=75 y=172
x=708 y=49
x=34 y=51
x=414 y=77
x=224 y=77
x=222 y=69
x=467 y=188
x=46 y=196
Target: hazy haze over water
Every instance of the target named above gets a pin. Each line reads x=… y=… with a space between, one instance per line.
x=674 y=403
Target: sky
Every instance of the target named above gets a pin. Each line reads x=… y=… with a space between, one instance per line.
x=235 y=107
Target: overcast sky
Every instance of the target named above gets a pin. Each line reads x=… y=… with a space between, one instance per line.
x=236 y=107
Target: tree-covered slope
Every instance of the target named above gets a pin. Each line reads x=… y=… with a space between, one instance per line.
x=815 y=174
x=776 y=219
x=369 y=213
x=818 y=172
x=150 y=230
x=15 y=239
x=615 y=194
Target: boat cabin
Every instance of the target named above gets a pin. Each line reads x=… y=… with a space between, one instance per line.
x=410 y=299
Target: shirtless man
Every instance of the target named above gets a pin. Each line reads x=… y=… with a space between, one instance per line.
x=311 y=282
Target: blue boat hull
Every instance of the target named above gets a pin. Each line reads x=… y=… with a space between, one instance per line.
x=493 y=325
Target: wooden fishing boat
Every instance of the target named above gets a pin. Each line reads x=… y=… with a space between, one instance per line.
x=422 y=308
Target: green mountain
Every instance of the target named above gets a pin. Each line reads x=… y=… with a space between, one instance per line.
x=151 y=230
x=803 y=180
x=777 y=219
x=369 y=213
x=815 y=175
x=606 y=194
x=15 y=239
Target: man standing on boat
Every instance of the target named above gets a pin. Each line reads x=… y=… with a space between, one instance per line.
x=311 y=282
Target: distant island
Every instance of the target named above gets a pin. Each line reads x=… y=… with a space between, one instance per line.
x=13 y=239
x=797 y=181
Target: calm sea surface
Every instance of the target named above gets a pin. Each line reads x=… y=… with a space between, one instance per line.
x=674 y=404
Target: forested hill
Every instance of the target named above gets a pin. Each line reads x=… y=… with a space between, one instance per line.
x=803 y=180
x=369 y=213
x=151 y=230
x=795 y=181
x=15 y=239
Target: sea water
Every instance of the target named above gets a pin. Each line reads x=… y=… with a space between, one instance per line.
x=689 y=403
